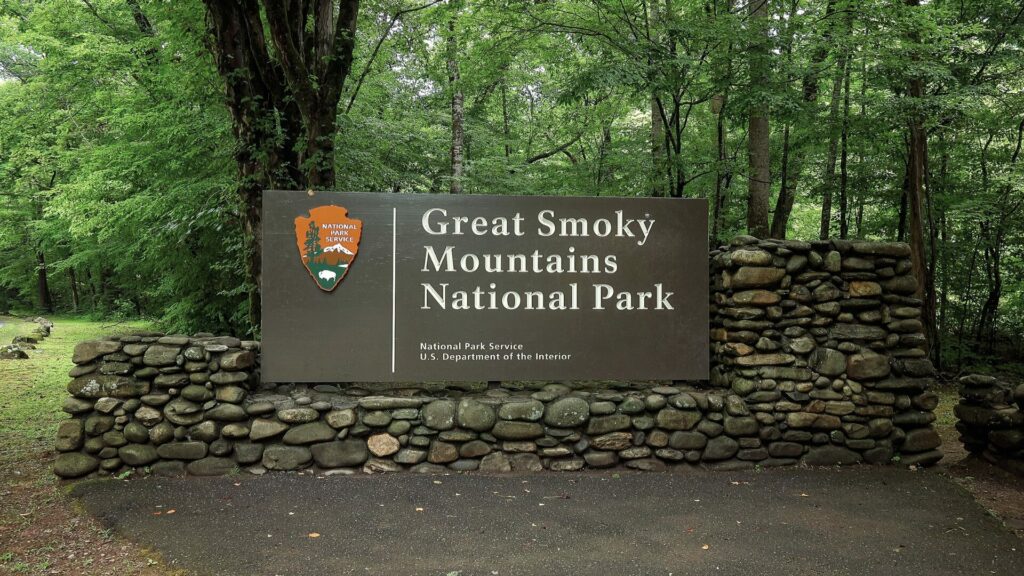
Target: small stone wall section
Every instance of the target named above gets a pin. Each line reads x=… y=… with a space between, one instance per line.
x=990 y=419
x=823 y=342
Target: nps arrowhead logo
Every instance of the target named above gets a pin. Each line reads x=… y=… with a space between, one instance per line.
x=328 y=241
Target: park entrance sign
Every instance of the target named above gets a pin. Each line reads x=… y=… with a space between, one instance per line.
x=410 y=287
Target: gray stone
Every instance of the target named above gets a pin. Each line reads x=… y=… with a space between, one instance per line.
x=182 y=450
x=474 y=449
x=754 y=277
x=278 y=457
x=439 y=414
x=231 y=394
x=475 y=415
x=830 y=455
x=136 y=432
x=196 y=393
x=567 y=412
x=137 y=454
x=76 y=406
x=672 y=419
x=604 y=424
x=248 y=452
x=93 y=386
x=528 y=410
x=350 y=452
x=69 y=435
x=297 y=415
x=741 y=426
x=86 y=352
x=263 y=429
x=211 y=466
x=828 y=362
x=227 y=413
x=512 y=430
x=388 y=402
x=310 y=433
x=410 y=456
x=161 y=355
x=96 y=424
x=74 y=464
x=496 y=462
x=613 y=441
x=921 y=440
x=720 y=448
x=161 y=433
x=377 y=419
x=525 y=462
x=687 y=440
x=341 y=418
x=237 y=360
x=442 y=452
x=867 y=366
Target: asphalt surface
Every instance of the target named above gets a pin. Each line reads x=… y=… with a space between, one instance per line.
x=785 y=521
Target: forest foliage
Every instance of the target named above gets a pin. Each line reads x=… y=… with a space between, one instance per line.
x=135 y=135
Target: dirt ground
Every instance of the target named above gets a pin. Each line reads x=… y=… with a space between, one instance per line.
x=998 y=491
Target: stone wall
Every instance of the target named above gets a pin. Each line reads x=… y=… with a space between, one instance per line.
x=817 y=359
x=990 y=418
x=823 y=342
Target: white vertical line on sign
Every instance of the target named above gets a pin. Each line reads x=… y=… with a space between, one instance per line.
x=394 y=244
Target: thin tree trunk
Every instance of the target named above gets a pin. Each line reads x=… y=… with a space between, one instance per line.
x=721 y=170
x=759 y=182
x=784 y=205
x=504 y=119
x=916 y=170
x=458 y=113
x=73 y=282
x=42 y=285
x=833 y=143
x=844 y=176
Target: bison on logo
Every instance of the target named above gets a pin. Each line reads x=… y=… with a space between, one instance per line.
x=328 y=241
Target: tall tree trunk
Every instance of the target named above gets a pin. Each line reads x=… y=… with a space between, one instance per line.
x=42 y=285
x=759 y=183
x=917 y=169
x=833 y=141
x=458 y=113
x=73 y=282
x=784 y=205
x=283 y=65
x=659 y=187
x=844 y=176
x=722 y=169
x=504 y=120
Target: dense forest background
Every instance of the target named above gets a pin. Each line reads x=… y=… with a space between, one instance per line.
x=135 y=135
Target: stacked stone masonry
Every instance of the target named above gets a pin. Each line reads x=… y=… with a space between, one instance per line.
x=823 y=342
x=816 y=352
x=990 y=419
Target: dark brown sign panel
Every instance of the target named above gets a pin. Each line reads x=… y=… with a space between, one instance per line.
x=410 y=287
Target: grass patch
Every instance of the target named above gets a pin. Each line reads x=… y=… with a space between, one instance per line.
x=32 y=391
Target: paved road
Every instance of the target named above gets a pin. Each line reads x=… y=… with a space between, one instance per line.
x=786 y=522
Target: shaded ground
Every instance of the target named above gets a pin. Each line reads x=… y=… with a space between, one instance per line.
x=42 y=529
x=997 y=490
x=785 y=521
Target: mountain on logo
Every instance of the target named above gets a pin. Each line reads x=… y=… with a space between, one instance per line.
x=339 y=248
x=330 y=226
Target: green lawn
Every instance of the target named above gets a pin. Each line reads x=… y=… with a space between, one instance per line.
x=31 y=391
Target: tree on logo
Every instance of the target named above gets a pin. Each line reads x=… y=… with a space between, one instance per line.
x=312 y=245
